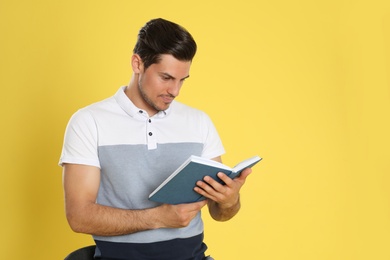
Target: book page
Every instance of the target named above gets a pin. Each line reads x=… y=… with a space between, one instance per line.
x=209 y=162
x=246 y=163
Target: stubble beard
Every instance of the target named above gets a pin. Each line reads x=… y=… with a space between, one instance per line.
x=146 y=98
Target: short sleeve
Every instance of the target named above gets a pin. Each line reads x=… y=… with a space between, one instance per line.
x=213 y=146
x=80 y=141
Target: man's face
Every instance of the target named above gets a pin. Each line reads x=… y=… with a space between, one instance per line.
x=160 y=83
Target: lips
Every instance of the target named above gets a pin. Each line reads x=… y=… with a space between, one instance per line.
x=167 y=98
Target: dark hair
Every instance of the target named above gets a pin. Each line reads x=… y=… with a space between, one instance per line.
x=159 y=36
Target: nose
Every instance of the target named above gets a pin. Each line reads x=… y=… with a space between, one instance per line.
x=174 y=88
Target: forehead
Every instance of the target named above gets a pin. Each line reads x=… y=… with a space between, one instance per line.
x=172 y=66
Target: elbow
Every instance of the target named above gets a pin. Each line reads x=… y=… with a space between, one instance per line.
x=80 y=217
x=75 y=222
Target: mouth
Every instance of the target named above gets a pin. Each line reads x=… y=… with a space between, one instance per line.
x=167 y=98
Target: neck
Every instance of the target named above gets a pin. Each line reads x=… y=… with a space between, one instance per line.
x=133 y=93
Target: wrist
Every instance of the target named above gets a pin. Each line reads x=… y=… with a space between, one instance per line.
x=154 y=218
x=234 y=204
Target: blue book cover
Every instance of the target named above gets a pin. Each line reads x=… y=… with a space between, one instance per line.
x=179 y=186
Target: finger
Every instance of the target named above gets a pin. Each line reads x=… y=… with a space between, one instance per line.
x=192 y=207
x=213 y=187
x=196 y=205
x=201 y=204
x=206 y=185
x=226 y=179
x=213 y=183
x=205 y=190
x=244 y=174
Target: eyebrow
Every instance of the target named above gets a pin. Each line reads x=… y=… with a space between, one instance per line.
x=172 y=77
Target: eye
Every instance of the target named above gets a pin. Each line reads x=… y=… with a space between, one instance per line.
x=165 y=77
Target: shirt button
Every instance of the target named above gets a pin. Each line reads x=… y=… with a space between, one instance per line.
x=150 y=133
x=141 y=111
x=150 y=121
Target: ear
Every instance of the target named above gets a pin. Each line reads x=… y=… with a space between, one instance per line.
x=136 y=63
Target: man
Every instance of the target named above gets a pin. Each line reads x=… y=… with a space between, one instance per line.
x=117 y=151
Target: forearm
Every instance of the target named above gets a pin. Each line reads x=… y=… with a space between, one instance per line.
x=81 y=185
x=102 y=220
x=223 y=213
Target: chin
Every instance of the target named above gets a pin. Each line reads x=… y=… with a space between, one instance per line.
x=164 y=107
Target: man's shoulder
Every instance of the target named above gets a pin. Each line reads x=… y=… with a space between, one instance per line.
x=102 y=104
x=97 y=109
x=97 y=106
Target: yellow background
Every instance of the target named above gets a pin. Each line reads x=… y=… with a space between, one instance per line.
x=304 y=84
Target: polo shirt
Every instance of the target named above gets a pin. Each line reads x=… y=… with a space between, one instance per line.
x=135 y=153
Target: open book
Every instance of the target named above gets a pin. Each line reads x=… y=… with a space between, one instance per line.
x=179 y=186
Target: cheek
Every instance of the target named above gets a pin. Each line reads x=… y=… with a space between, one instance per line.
x=155 y=85
x=148 y=82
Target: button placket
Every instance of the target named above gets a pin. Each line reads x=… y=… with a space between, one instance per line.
x=151 y=135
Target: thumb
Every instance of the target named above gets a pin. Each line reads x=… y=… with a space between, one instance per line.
x=244 y=174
